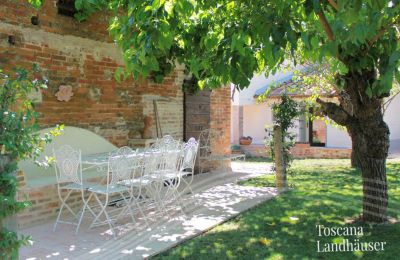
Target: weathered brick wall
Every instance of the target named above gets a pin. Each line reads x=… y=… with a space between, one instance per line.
x=220 y=114
x=300 y=151
x=82 y=56
x=220 y=120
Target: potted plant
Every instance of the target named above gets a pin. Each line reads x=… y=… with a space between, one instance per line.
x=245 y=140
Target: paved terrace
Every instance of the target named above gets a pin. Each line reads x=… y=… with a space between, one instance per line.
x=217 y=199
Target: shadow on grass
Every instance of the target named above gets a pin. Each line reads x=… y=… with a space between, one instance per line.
x=285 y=227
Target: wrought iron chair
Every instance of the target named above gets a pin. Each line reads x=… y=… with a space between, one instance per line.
x=161 y=166
x=121 y=165
x=68 y=170
x=186 y=171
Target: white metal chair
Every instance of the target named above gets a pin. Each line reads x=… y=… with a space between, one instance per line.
x=161 y=166
x=186 y=171
x=168 y=174
x=121 y=166
x=68 y=170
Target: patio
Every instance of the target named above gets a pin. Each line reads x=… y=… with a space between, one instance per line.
x=217 y=198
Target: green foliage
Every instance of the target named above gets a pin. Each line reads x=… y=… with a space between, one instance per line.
x=224 y=41
x=18 y=140
x=36 y=3
x=284 y=114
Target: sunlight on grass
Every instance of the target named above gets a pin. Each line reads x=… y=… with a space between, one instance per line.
x=325 y=192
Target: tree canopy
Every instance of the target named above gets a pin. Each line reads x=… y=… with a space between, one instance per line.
x=224 y=41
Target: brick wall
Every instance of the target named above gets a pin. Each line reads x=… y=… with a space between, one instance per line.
x=220 y=120
x=82 y=56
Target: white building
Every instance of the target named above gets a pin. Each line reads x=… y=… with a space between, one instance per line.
x=250 y=118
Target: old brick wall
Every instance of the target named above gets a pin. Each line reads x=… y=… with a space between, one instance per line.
x=82 y=56
x=220 y=120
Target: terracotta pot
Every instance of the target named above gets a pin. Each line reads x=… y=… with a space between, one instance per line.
x=245 y=141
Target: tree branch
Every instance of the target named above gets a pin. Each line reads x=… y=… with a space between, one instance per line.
x=325 y=25
x=380 y=33
x=334 y=112
x=333 y=4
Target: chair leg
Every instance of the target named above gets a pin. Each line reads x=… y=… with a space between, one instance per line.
x=58 y=217
x=104 y=211
x=126 y=207
x=63 y=204
x=109 y=223
x=85 y=205
x=142 y=213
x=101 y=210
x=179 y=199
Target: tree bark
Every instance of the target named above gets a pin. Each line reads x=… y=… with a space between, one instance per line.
x=354 y=152
x=370 y=140
x=280 y=179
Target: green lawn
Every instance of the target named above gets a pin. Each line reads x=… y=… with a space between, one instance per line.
x=326 y=192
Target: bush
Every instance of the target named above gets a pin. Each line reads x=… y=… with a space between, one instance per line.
x=19 y=139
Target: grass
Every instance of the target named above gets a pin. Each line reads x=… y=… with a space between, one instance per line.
x=326 y=192
x=251 y=159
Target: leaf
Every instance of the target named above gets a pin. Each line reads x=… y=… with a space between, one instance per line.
x=79 y=4
x=394 y=58
x=36 y=3
x=157 y=4
x=118 y=73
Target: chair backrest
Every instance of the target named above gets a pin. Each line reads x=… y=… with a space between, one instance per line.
x=164 y=158
x=122 y=164
x=166 y=142
x=68 y=165
x=190 y=150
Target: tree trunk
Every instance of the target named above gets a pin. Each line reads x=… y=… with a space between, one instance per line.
x=354 y=153
x=372 y=142
x=370 y=139
x=280 y=179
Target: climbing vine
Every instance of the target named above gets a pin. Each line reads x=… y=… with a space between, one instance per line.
x=19 y=139
x=284 y=114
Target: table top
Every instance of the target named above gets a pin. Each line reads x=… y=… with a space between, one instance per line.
x=100 y=159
